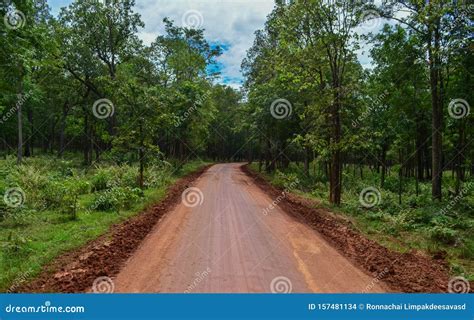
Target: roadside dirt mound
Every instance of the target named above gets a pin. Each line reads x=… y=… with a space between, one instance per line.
x=76 y=271
x=402 y=272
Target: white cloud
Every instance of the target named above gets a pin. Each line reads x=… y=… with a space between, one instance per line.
x=232 y=22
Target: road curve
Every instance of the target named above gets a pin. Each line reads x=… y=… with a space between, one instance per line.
x=227 y=244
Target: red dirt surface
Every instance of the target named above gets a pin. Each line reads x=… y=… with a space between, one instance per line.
x=232 y=241
x=406 y=272
x=76 y=271
x=317 y=250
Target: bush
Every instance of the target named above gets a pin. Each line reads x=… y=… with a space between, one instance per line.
x=157 y=175
x=4 y=209
x=286 y=180
x=443 y=234
x=116 y=198
x=128 y=176
x=114 y=176
x=73 y=189
x=16 y=244
x=414 y=217
x=392 y=183
x=101 y=178
x=51 y=195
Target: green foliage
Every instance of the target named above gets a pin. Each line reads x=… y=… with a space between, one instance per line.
x=443 y=234
x=63 y=210
x=101 y=180
x=16 y=244
x=116 y=198
x=286 y=180
x=49 y=184
x=167 y=105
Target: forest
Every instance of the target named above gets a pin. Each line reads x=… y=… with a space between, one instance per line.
x=94 y=124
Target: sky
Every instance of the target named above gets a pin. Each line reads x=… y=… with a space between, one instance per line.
x=230 y=24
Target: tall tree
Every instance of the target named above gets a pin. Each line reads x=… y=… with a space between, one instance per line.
x=435 y=22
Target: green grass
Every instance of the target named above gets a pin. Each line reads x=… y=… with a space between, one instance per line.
x=33 y=235
x=416 y=223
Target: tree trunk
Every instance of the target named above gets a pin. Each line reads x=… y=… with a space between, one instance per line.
x=437 y=118
x=400 y=177
x=335 y=187
x=87 y=159
x=307 y=156
x=62 y=129
x=20 y=128
x=459 y=161
x=141 y=156
x=29 y=140
x=384 y=165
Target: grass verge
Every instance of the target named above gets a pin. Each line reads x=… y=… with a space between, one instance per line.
x=32 y=235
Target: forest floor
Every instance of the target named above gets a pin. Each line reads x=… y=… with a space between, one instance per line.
x=244 y=235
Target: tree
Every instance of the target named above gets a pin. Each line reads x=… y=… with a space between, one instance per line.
x=435 y=22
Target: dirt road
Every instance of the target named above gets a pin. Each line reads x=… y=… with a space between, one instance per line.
x=225 y=238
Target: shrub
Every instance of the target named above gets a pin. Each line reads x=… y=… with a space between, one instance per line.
x=116 y=198
x=51 y=195
x=128 y=176
x=4 y=209
x=443 y=234
x=73 y=189
x=391 y=183
x=16 y=244
x=412 y=216
x=376 y=216
x=114 y=176
x=101 y=179
x=286 y=180
x=157 y=175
